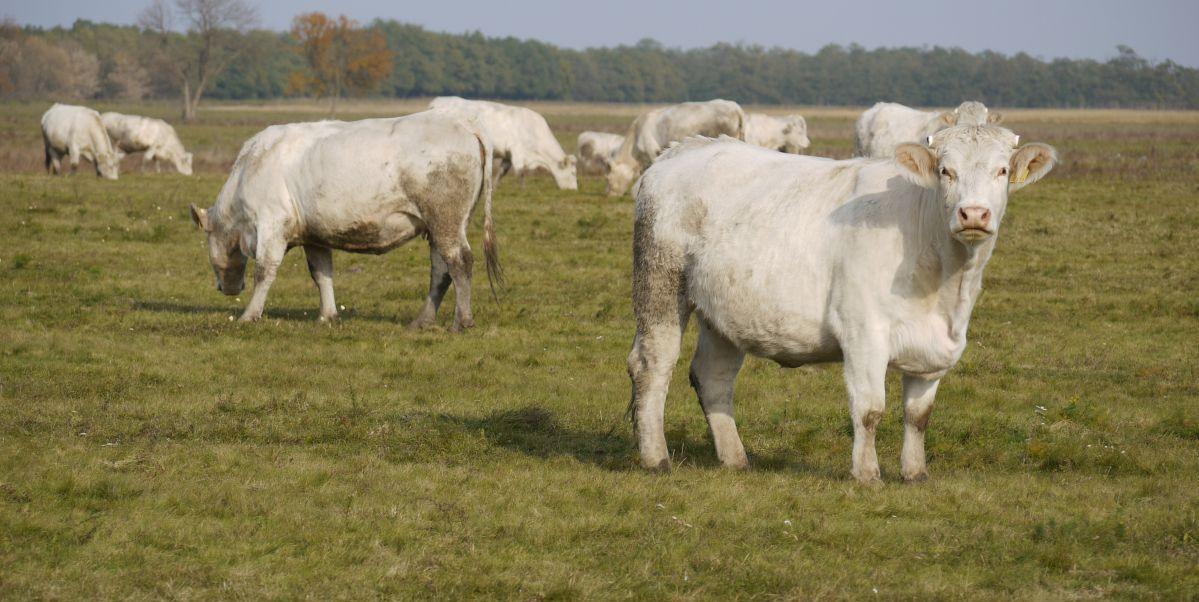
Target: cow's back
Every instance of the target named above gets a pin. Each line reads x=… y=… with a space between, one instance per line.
x=887 y=125
x=67 y=125
x=771 y=240
x=347 y=185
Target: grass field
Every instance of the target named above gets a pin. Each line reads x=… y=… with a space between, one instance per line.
x=152 y=448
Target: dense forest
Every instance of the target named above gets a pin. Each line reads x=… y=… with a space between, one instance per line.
x=111 y=61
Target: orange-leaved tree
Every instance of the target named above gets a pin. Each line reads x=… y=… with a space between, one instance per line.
x=342 y=57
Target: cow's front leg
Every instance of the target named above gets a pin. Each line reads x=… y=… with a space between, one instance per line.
x=865 y=378
x=73 y=154
x=439 y=283
x=268 y=255
x=713 y=372
x=918 y=395
x=320 y=267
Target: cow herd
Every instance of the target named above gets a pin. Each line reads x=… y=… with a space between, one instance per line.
x=875 y=261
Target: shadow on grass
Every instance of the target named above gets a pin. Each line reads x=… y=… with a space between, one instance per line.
x=536 y=432
x=278 y=313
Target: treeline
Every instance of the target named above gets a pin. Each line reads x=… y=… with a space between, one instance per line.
x=116 y=61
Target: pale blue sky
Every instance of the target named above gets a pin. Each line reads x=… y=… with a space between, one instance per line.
x=1157 y=29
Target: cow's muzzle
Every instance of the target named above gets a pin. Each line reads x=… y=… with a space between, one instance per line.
x=974 y=223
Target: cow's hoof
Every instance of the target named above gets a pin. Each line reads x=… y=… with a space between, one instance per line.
x=870 y=480
x=741 y=463
x=661 y=466
x=462 y=326
x=250 y=318
x=330 y=318
x=419 y=324
x=916 y=478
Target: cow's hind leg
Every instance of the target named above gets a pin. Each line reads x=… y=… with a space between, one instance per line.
x=918 y=395
x=662 y=309
x=459 y=262
x=713 y=372
x=320 y=267
x=439 y=283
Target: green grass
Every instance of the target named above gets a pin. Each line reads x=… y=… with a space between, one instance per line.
x=152 y=448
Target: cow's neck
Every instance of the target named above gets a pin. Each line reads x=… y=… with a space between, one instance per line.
x=961 y=277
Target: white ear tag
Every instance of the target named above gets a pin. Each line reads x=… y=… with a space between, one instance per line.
x=1017 y=142
x=928 y=141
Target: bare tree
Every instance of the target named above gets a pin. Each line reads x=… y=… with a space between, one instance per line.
x=211 y=40
x=127 y=79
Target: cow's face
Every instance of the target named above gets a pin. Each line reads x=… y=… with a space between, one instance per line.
x=185 y=164
x=973 y=168
x=224 y=252
x=107 y=165
x=620 y=176
x=566 y=175
x=795 y=135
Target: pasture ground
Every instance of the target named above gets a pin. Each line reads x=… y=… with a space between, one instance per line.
x=152 y=448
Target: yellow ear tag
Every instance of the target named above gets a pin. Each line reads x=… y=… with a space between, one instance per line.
x=1020 y=177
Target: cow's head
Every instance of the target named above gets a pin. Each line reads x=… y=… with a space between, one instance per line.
x=226 y=252
x=620 y=176
x=973 y=168
x=795 y=135
x=184 y=164
x=566 y=173
x=108 y=165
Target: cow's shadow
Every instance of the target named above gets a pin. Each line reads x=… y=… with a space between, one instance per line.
x=537 y=432
x=309 y=314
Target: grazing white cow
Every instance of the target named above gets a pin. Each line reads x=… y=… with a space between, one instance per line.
x=522 y=140
x=596 y=149
x=155 y=137
x=785 y=134
x=654 y=131
x=364 y=187
x=76 y=132
x=886 y=125
x=876 y=263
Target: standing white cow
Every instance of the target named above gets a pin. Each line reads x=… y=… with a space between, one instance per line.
x=596 y=149
x=887 y=125
x=76 y=132
x=522 y=140
x=787 y=134
x=876 y=263
x=155 y=137
x=364 y=187
x=654 y=131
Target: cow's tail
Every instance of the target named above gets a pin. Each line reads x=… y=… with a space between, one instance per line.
x=46 y=147
x=491 y=245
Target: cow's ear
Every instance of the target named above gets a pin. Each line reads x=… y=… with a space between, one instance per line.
x=200 y=218
x=994 y=118
x=1030 y=163
x=949 y=117
x=918 y=163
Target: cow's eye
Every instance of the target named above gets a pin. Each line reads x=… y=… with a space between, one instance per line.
x=945 y=172
x=1002 y=171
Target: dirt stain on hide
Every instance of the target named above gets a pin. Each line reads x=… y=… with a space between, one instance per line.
x=445 y=196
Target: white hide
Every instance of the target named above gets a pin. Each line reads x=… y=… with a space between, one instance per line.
x=886 y=125
x=787 y=134
x=154 y=137
x=654 y=131
x=76 y=132
x=873 y=262
x=596 y=150
x=522 y=139
x=364 y=186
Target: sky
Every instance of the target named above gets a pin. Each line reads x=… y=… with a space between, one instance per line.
x=1156 y=29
